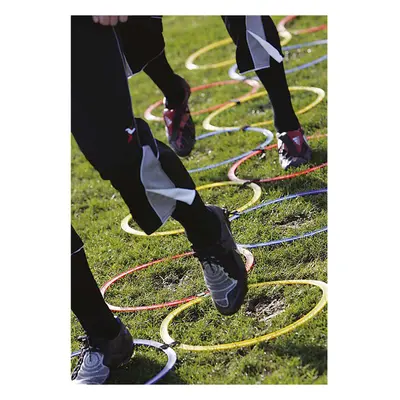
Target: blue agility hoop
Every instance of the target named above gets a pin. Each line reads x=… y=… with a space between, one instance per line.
x=306 y=65
x=268 y=134
x=167 y=350
x=237 y=76
x=284 y=240
x=301 y=45
x=151 y=343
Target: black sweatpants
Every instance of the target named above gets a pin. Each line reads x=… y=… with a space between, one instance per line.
x=148 y=174
x=150 y=177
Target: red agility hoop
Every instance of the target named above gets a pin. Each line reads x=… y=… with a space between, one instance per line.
x=282 y=28
x=255 y=85
x=232 y=176
x=249 y=265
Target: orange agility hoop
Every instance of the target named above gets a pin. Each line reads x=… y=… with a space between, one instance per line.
x=232 y=171
x=254 y=87
x=282 y=28
x=249 y=265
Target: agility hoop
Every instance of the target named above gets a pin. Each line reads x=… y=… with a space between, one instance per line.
x=249 y=265
x=318 y=91
x=268 y=134
x=189 y=63
x=281 y=28
x=249 y=342
x=167 y=350
x=255 y=85
x=232 y=171
x=279 y=200
x=233 y=74
x=257 y=194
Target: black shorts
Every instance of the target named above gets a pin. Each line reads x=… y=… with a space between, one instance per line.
x=247 y=32
x=146 y=172
x=142 y=40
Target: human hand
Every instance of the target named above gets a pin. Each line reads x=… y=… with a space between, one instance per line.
x=109 y=20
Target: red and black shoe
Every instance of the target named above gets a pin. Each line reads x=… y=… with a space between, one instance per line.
x=293 y=148
x=179 y=125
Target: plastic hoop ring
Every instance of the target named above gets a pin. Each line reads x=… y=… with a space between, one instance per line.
x=240 y=77
x=320 y=96
x=251 y=82
x=257 y=194
x=160 y=346
x=237 y=76
x=279 y=200
x=281 y=28
x=233 y=177
x=227 y=346
x=249 y=265
x=269 y=137
x=189 y=63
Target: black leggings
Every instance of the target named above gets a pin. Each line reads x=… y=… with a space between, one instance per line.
x=87 y=302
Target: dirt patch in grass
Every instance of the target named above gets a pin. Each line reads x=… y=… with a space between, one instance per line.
x=264 y=308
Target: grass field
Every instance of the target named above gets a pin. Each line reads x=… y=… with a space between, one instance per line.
x=299 y=357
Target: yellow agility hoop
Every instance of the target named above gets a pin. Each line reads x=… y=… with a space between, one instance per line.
x=189 y=63
x=320 y=305
x=318 y=91
x=257 y=194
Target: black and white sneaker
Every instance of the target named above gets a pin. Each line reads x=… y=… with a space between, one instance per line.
x=224 y=271
x=98 y=356
x=293 y=148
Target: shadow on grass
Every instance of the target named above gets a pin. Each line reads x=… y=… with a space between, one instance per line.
x=140 y=370
x=313 y=356
x=319 y=155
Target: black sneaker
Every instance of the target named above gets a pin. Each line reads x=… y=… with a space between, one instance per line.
x=224 y=270
x=179 y=125
x=98 y=356
x=293 y=148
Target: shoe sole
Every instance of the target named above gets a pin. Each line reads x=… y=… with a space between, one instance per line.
x=299 y=160
x=239 y=301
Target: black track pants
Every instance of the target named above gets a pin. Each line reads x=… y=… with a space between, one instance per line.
x=149 y=175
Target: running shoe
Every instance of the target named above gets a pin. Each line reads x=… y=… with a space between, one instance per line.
x=224 y=271
x=293 y=148
x=98 y=356
x=179 y=125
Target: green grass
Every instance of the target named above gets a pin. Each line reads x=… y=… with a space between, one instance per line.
x=299 y=357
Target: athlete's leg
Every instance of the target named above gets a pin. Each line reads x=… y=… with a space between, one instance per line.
x=150 y=177
x=108 y=343
x=119 y=147
x=87 y=303
x=144 y=48
x=247 y=32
